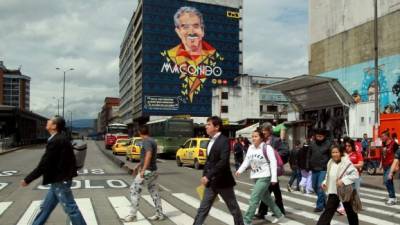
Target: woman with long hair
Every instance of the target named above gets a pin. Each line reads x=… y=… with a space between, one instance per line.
x=261 y=158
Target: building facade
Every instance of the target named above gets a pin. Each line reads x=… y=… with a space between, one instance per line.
x=14 y=88
x=342 y=46
x=107 y=114
x=246 y=101
x=163 y=72
x=126 y=75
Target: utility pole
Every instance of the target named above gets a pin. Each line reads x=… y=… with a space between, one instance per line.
x=376 y=69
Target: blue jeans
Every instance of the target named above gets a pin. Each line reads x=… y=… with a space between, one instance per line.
x=59 y=192
x=317 y=179
x=296 y=175
x=389 y=183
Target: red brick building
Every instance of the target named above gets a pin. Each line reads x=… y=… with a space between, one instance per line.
x=106 y=115
x=14 y=88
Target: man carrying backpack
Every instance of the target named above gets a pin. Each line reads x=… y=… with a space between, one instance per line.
x=281 y=147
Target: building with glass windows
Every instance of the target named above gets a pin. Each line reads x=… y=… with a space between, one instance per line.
x=14 y=88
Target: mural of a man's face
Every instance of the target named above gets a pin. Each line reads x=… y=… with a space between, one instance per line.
x=191 y=32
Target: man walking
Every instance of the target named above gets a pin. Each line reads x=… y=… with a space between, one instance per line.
x=217 y=175
x=146 y=174
x=58 y=167
x=238 y=152
x=319 y=156
x=388 y=157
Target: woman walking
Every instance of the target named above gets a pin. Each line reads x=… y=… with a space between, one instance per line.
x=261 y=158
x=356 y=158
x=340 y=171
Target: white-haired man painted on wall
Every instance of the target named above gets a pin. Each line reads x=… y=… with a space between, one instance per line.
x=193 y=52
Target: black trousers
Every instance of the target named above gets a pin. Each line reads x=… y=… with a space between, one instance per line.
x=330 y=209
x=276 y=189
x=228 y=195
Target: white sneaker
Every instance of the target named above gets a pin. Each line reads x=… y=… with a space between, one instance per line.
x=391 y=201
x=277 y=220
x=129 y=218
x=157 y=217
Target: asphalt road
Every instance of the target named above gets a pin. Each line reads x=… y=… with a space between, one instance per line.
x=102 y=193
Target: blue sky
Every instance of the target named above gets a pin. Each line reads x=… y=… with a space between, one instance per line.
x=44 y=34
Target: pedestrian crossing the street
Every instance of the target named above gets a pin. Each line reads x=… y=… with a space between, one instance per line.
x=180 y=208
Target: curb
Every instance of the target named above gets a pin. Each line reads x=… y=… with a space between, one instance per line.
x=18 y=148
x=115 y=160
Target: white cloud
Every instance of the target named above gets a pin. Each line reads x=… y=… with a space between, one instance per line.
x=44 y=34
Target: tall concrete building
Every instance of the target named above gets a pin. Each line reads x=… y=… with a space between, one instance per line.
x=14 y=88
x=158 y=79
x=126 y=72
x=341 y=35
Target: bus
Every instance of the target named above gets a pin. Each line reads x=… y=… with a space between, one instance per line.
x=115 y=131
x=170 y=134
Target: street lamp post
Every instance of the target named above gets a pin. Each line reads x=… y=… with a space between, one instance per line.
x=63 y=106
x=58 y=105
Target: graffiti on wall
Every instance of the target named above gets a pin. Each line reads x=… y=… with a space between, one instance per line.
x=359 y=81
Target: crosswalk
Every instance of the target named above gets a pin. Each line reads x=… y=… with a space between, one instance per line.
x=180 y=209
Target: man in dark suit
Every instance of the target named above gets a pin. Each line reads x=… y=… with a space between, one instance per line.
x=217 y=175
x=58 y=167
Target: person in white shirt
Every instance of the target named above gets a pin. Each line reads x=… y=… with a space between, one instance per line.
x=261 y=158
x=340 y=171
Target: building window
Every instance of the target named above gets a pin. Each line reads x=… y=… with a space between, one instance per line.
x=261 y=108
x=272 y=108
x=224 y=109
x=224 y=95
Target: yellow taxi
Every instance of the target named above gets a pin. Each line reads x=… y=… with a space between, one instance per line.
x=119 y=148
x=133 y=149
x=193 y=152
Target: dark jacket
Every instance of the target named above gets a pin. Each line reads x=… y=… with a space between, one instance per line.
x=238 y=151
x=217 y=168
x=319 y=155
x=302 y=159
x=58 y=162
x=281 y=147
x=293 y=158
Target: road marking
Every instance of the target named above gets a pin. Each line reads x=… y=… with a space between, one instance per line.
x=164 y=188
x=374 y=191
x=3 y=185
x=122 y=206
x=4 y=206
x=30 y=213
x=292 y=210
x=162 y=161
x=174 y=214
x=244 y=207
x=362 y=217
x=86 y=208
x=241 y=182
x=214 y=212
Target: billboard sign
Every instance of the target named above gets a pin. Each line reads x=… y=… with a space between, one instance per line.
x=188 y=48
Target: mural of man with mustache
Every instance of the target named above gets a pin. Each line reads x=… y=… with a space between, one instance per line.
x=193 y=53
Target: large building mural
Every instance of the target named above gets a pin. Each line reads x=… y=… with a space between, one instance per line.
x=188 y=48
x=359 y=81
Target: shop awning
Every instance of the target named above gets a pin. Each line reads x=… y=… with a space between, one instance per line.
x=313 y=92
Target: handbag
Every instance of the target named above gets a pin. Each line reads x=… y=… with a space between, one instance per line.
x=345 y=192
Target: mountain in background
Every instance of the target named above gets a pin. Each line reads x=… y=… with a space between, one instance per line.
x=83 y=123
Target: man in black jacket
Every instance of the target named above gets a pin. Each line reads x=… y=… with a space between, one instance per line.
x=217 y=175
x=318 y=157
x=58 y=167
